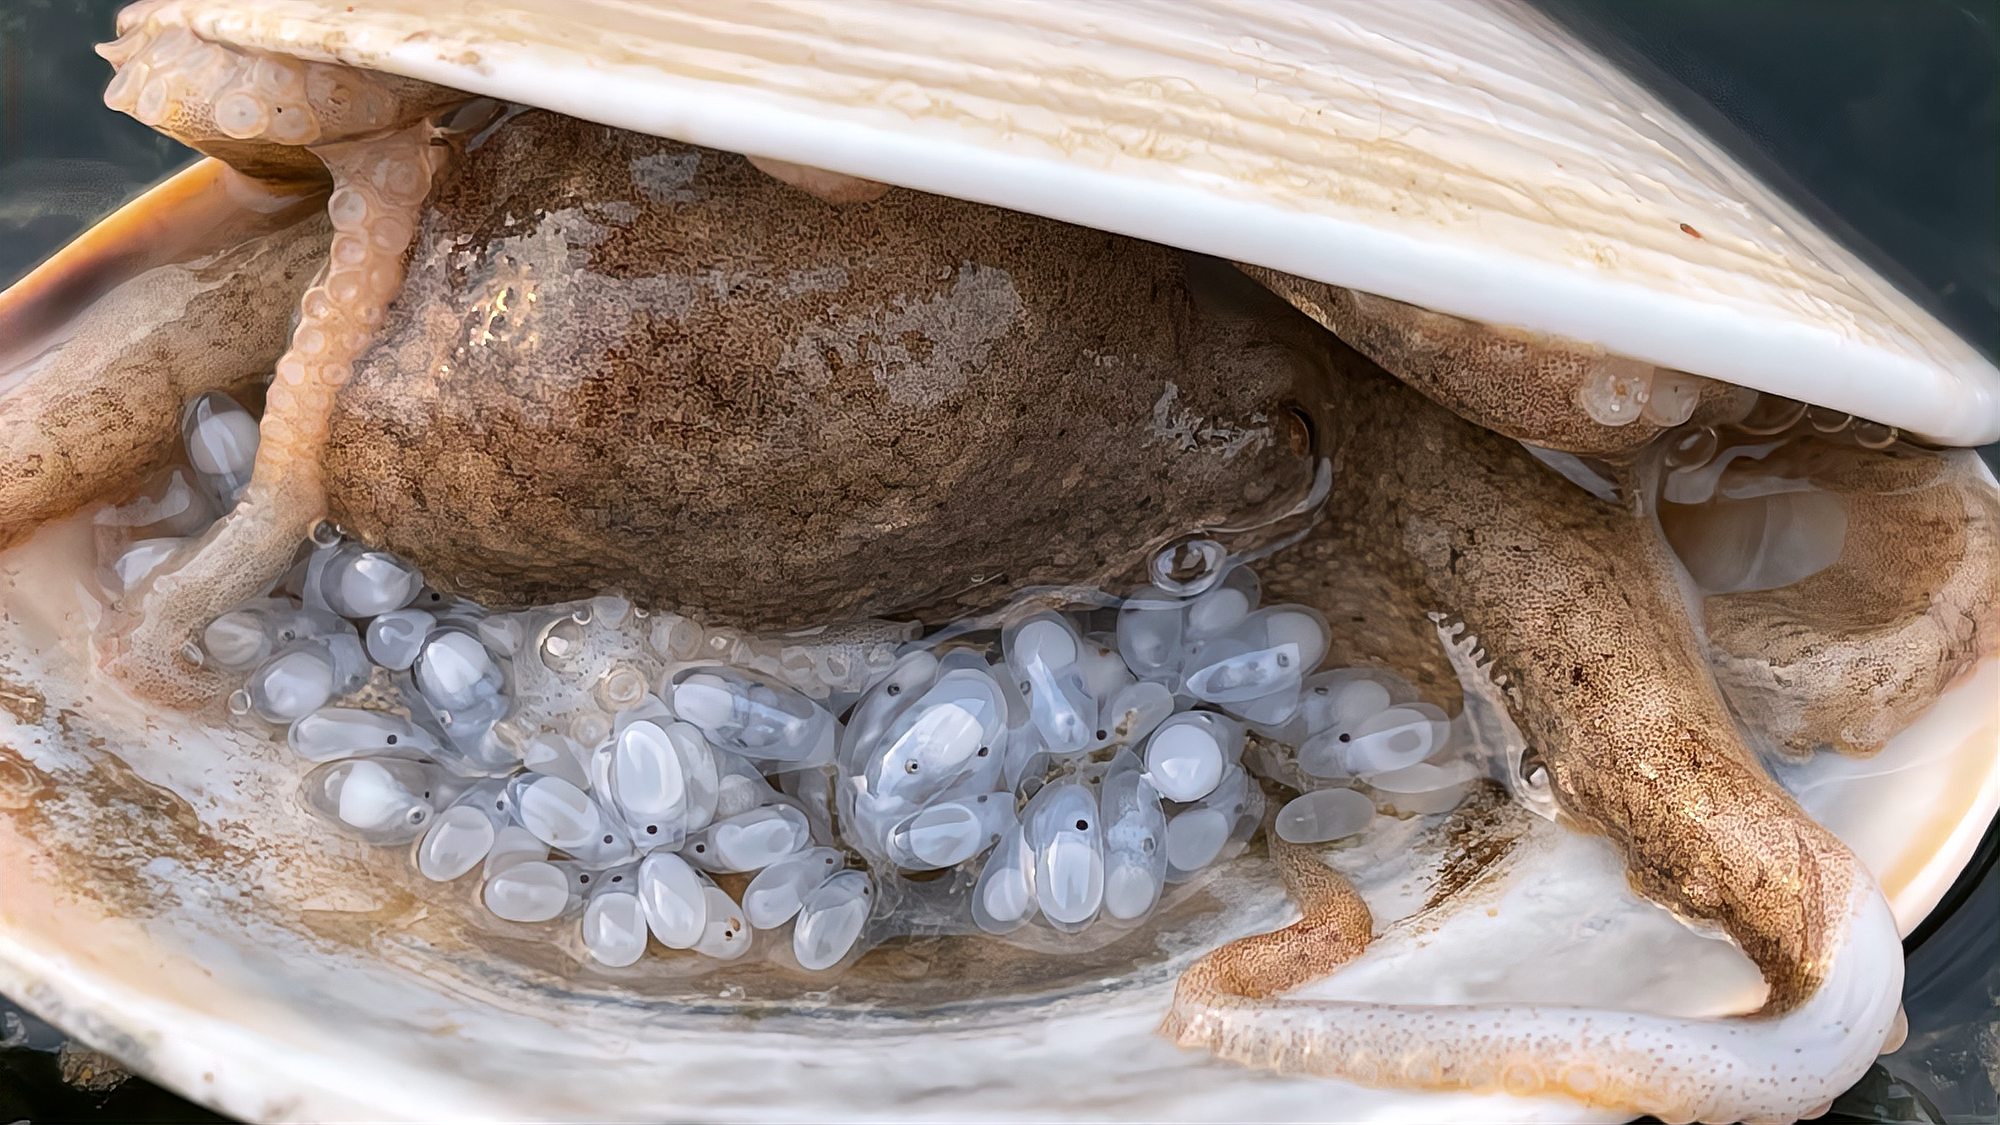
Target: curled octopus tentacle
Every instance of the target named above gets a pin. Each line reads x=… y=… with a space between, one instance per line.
x=258 y=111
x=1334 y=926
x=165 y=300
x=1900 y=550
x=1584 y=613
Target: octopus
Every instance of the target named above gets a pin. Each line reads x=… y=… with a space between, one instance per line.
x=543 y=358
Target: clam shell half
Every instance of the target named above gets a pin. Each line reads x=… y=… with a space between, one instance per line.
x=1470 y=158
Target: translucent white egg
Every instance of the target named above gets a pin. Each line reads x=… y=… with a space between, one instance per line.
x=1389 y=740
x=456 y=842
x=673 y=897
x=371 y=798
x=898 y=690
x=1323 y=815
x=1228 y=817
x=765 y=722
x=1195 y=838
x=778 y=891
x=957 y=722
x=614 y=928
x=1135 y=860
x=1255 y=668
x=1224 y=605
x=385 y=801
x=222 y=440
x=1041 y=654
x=395 y=637
x=701 y=775
x=1061 y=826
x=353 y=732
x=750 y=841
x=292 y=684
x=1184 y=760
x=1236 y=677
x=366 y=583
x=236 y=640
x=455 y=672
x=1150 y=627
x=558 y=813
x=1047 y=639
x=530 y=891
x=646 y=772
x=1217 y=611
x=948 y=833
x=1003 y=898
x=831 y=919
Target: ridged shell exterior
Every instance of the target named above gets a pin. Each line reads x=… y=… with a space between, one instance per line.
x=1468 y=157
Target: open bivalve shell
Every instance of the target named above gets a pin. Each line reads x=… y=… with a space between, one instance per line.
x=167 y=898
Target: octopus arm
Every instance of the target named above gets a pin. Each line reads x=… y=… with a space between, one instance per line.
x=378 y=185
x=1850 y=654
x=1559 y=394
x=1579 y=611
x=283 y=120
x=169 y=298
x=1760 y=1068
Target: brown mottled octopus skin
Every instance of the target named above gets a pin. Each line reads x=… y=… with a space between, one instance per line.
x=1580 y=605
x=102 y=411
x=1845 y=658
x=1509 y=380
x=624 y=362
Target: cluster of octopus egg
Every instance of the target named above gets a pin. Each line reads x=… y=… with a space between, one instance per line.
x=621 y=777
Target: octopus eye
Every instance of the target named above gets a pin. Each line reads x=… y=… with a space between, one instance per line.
x=1299 y=433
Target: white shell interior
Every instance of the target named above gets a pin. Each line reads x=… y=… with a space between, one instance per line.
x=168 y=899
x=1471 y=158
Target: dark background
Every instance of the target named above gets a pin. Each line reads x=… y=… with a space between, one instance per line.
x=1881 y=118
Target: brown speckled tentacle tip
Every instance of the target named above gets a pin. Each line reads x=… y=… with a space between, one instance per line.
x=1334 y=926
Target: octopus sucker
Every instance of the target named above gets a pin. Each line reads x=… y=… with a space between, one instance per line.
x=378 y=183
x=680 y=571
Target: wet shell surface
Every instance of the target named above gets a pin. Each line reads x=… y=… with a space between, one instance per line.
x=170 y=900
